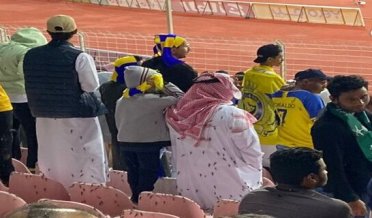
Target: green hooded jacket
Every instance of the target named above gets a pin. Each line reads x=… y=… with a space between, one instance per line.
x=11 y=58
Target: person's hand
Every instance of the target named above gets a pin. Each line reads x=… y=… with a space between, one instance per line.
x=358 y=208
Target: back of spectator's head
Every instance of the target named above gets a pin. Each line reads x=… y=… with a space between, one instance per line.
x=267 y=51
x=140 y=79
x=120 y=64
x=218 y=84
x=37 y=210
x=294 y=166
x=61 y=27
x=240 y=75
x=223 y=72
x=310 y=74
x=312 y=80
x=340 y=84
x=29 y=37
x=238 y=79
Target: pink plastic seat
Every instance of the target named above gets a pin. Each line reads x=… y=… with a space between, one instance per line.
x=33 y=187
x=9 y=202
x=74 y=205
x=145 y=214
x=3 y=187
x=226 y=207
x=24 y=155
x=119 y=180
x=19 y=166
x=170 y=204
x=107 y=199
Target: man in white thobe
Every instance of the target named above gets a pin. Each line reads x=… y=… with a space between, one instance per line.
x=60 y=81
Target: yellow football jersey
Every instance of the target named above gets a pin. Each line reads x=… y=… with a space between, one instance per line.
x=5 y=104
x=297 y=111
x=259 y=83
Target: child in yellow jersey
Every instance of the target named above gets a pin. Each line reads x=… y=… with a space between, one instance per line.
x=6 y=123
x=259 y=83
x=299 y=107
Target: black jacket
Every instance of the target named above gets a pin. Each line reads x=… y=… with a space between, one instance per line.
x=181 y=75
x=52 y=83
x=348 y=170
x=110 y=92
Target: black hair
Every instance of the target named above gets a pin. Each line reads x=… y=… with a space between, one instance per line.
x=267 y=51
x=212 y=80
x=62 y=36
x=340 y=84
x=138 y=58
x=290 y=166
x=239 y=73
x=222 y=71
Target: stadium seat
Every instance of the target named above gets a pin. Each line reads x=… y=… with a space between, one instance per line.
x=145 y=214
x=171 y=204
x=24 y=155
x=31 y=187
x=107 y=199
x=3 y=187
x=74 y=205
x=119 y=180
x=19 y=166
x=225 y=207
x=9 y=202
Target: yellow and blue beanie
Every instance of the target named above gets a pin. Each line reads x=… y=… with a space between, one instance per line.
x=158 y=46
x=168 y=41
x=136 y=78
x=120 y=65
x=178 y=41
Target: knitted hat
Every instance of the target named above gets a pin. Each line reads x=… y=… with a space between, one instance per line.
x=178 y=41
x=120 y=65
x=61 y=24
x=136 y=75
x=167 y=57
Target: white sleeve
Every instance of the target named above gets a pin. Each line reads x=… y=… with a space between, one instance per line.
x=246 y=140
x=87 y=72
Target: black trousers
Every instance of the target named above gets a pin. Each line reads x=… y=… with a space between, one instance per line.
x=23 y=114
x=143 y=168
x=16 y=132
x=6 y=167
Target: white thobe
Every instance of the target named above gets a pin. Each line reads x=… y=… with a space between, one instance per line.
x=71 y=149
x=227 y=165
